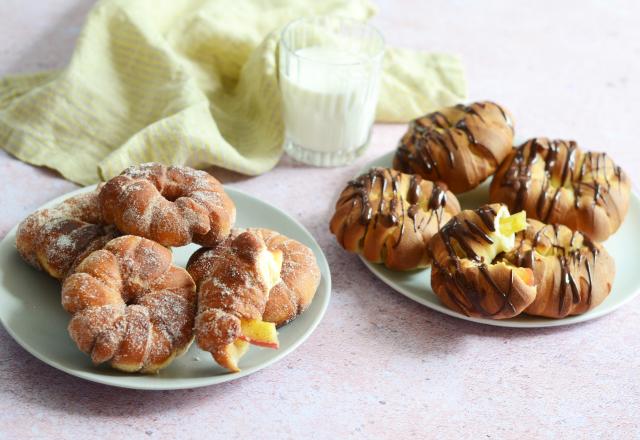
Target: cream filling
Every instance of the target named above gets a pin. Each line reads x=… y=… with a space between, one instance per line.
x=502 y=242
x=269 y=266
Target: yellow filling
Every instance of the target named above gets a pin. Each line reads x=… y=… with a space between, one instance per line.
x=513 y=223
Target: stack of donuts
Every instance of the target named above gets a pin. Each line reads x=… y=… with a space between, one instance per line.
x=130 y=306
x=546 y=259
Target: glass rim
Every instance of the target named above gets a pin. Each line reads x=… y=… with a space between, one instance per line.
x=352 y=21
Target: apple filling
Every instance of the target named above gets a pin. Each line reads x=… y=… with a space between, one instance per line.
x=503 y=241
x=506 y=227
x=256 y=331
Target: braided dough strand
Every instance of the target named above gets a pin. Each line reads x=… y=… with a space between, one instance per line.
x=131 y=307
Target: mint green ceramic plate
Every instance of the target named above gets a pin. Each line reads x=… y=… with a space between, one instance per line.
x=30 y=311
x=624 y=246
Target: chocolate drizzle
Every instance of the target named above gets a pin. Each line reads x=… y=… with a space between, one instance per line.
x=565 y=167
x=393 y=207
x=576 y=256
x=434 y=135
x=460 y=234
x=569 y=256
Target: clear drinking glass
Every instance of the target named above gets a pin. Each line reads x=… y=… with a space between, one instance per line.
x=329 y=78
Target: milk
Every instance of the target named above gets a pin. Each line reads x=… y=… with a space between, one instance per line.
x=329 y=99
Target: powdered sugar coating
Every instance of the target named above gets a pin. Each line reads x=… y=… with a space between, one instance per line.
x=56 y=239
x=171 y=205
x=299 y=274
x=131 y=307
x=231 y=286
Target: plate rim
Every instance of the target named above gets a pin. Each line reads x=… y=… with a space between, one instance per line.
x=536 y=322
x=171 y=382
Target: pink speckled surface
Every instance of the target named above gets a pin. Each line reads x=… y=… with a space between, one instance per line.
x=380 y=365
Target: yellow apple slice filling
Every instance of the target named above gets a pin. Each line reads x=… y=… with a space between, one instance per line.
x=259 y=333
x=256 y=331
x=506 y=228
x=514 y=223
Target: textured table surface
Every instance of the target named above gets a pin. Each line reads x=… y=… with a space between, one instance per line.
x=380 y=365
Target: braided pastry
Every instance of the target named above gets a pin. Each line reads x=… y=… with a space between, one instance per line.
x=466 y=275
x=131 y=307
x=171 y=205
x=56 y=239
x=233 y=290
x=556 y=182
x=572 y=273
x=460 y=146
x=389 y=217
x=299 y=276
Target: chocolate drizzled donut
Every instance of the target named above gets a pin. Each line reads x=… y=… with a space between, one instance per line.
x=390 y=217
x=461 y=145
x=464 y=274
x=557 y=182
x=572 y=273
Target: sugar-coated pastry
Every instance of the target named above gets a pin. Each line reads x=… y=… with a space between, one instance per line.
x=170 y=205
x=233 y=290
x=299 y=276
x=460 y=146
x=389 y=217
x=466 y=274
x=131 y=307
x=56 y=239
x=557 y=182
x=572 y=273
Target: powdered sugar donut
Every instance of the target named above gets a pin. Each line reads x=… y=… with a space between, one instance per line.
x=56 y=239
x=131 y=307
x=170 y=205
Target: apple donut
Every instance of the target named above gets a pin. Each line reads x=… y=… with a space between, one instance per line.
x=56 y=239
x=299 y=277
x=572 y=273
x=131 y=307
x=170 y=205
x=556 y=182
x=468 y=277
x=389 y=217
x=233 y=290
x=460 y=146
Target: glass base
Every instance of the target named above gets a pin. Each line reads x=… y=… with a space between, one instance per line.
x=323 y=159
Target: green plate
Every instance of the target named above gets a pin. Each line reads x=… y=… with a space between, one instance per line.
x=624 y=246
x=30 y=311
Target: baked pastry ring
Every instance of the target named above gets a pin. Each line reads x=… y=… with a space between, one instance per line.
x=460 y=146
x=56 y=239
x=131 y=307
x=170 y=205
x=557 y=182
x=389 y=217
x=572 y=273
x=467 y=276
x=299 y=276
x=233 y=289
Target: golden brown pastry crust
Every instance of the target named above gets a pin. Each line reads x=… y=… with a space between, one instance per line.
x=56 y=239
x=231 y=287
x=131 y=307
x=463 y=279
x=170 y=205
x=460 y=146
x=557 y=182
x=389 y=217
x=572 y=273
x=299 y=276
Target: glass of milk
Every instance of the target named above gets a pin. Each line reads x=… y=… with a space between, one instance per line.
x=329 y=78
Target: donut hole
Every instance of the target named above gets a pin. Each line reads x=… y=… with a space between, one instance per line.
x=173 y=193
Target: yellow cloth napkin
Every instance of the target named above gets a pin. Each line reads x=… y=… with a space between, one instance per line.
x=188 y=82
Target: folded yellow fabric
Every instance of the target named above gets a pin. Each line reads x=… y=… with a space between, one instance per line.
x=188 y=82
